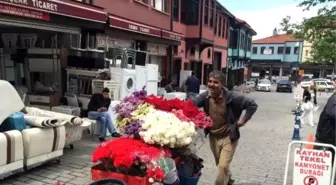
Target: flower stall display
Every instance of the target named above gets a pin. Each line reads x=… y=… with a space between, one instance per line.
x=151 y=127
x=129 y=157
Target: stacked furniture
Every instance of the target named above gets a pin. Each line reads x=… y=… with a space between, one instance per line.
x=27 y=148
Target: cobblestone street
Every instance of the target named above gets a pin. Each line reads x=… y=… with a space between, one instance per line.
x=259 y=159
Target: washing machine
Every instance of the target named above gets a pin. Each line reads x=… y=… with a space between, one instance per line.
x=127 y=80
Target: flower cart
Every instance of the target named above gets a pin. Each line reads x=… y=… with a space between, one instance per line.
x=153 y=129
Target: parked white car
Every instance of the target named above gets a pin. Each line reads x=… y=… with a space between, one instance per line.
x=264 y=85
x=305 y=84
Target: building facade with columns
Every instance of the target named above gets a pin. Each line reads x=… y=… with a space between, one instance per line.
x=277 y=56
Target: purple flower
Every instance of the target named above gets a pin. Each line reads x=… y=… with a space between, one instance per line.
x=133 y=128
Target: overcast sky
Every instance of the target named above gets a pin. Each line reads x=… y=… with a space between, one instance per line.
x=264 y=15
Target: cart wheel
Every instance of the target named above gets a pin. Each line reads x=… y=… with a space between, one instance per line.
x=71 y=146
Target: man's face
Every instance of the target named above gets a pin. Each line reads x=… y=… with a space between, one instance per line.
x=106 y=95
x=214 y=86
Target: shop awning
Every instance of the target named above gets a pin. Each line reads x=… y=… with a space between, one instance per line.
x=39 y=25
x=132 y=26
x=60 y=7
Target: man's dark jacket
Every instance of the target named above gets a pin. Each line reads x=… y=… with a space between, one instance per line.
x=235 y=104
x=325 y=132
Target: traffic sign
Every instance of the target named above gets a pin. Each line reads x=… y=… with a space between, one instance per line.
x=310 y=167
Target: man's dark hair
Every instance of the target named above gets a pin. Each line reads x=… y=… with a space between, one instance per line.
x=192 y=73
x=106 y=90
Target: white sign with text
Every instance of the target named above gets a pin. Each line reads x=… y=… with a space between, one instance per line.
x=312 y=167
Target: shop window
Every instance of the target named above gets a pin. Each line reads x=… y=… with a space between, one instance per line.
x=280 y=50
x=255 y=50
x=206 y=12
x=176 y=10
x=161 y=5
x=296 y=50
x=288 y=50
x=209 y=53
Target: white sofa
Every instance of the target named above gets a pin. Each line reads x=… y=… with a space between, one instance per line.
x=11 y=155
x=41 y=145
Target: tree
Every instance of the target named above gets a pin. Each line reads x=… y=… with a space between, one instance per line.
x=319 y=30
x=286 y=25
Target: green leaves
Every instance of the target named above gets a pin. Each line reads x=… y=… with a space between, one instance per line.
x=320 y=30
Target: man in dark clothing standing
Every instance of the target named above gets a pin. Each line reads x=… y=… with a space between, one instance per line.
x=326 y=129
x=224 y=108
x=98 y=106
x=193 y=86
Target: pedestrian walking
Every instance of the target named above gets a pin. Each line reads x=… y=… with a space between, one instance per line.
x=307 y=108
x=314 y=87
x=193 y=86
x=224 y=108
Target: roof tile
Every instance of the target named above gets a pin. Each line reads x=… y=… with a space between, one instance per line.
x=276 y=39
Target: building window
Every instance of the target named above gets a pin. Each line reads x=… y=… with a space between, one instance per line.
x=209 y=53
x=224 y=26
x=212 y=7
x=176 y=10
x=161 y=5
x=219 y=27
x=206 y=12
x=288 y=50
x=249 y=42
x=183 y=12
x=242 y=43
x=255 y=50
x=307 y=53
x=190 y=12
x=280 y=50
x=296 y=50
x=233 y=39
x=216 y=24
x=262 y=50
x=227 y=30
x=272 y=50
x=192 y=51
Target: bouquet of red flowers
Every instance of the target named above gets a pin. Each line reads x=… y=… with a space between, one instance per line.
x=130 y=156
x=184 y=110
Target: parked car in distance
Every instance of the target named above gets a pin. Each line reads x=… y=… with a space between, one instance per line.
x=325 y=85
x=284 y=86
x=250 y=84
x=264 y=85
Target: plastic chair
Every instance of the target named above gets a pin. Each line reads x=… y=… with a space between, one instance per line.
x=109 y=182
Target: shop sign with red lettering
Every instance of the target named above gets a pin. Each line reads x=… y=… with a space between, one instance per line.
x=23 y=12
x=312 y=167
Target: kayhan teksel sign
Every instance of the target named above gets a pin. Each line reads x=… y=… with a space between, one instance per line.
x=312 y=167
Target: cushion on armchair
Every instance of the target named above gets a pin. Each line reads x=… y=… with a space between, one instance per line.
x=38 y=141
x=11 y=147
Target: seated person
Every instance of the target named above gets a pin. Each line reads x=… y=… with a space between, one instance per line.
x=97 y=110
